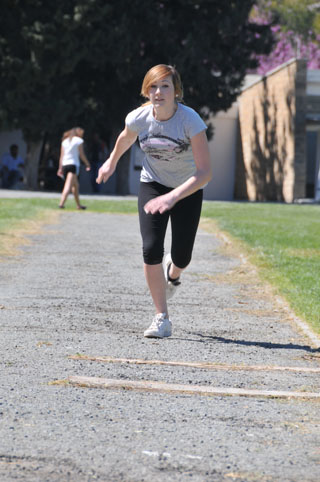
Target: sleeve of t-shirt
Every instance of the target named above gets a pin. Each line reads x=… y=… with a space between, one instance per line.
x=131 y=121
x=194 y=124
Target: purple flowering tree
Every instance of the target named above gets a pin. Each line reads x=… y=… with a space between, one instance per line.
x=287 y=45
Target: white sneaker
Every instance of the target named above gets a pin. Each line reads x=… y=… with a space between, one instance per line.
x=172 y=286
x=159 y=328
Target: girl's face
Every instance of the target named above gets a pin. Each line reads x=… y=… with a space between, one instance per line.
x=162 y=93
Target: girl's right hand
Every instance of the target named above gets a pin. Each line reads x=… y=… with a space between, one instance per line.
x=105 y=171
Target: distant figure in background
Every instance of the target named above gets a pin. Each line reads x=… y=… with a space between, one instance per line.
x=98 y=154
x=69 y=164
x=11 y=168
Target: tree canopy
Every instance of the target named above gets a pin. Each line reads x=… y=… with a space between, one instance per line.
x=82 y=62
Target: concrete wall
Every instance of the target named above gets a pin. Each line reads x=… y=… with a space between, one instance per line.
x=313 y=125
x=313 y=82
x=223 y=156
x=271 y=160
x=300 y=131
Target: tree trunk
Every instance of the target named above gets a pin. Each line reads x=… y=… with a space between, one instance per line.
x=32 y=164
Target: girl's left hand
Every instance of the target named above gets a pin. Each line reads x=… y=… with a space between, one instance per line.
x=159 y=204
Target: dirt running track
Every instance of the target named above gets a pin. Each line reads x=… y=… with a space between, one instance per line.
x=74 y=304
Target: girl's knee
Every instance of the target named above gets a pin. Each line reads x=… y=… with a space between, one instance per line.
x=152 y=253
x=181 y=260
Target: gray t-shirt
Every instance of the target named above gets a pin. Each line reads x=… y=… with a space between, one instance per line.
x=168 y=156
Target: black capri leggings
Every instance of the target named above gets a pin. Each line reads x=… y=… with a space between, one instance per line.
x=184 y=215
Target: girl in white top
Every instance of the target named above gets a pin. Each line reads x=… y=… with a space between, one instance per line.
x=175 y=168
x=69 y=164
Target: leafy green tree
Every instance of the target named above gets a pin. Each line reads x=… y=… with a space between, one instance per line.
x=82 y=61
x=299 y=16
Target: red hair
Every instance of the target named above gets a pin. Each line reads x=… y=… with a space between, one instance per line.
x=159 y=72
x=75 y=131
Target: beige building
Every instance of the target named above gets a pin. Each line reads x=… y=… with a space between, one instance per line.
x=279 y=135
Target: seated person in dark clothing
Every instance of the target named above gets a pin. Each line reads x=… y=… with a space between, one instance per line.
x=11 y=165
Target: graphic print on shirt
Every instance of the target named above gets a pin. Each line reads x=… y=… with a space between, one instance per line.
x=162 y=147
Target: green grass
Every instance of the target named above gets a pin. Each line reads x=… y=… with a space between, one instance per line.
x=120 y=207
x=15 y=211
x=282 y=240
x=16 y=216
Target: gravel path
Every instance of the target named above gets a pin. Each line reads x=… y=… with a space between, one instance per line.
x=78 y=288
